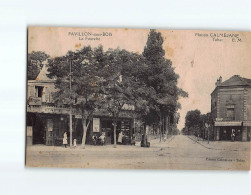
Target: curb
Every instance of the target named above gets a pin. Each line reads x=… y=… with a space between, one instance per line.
x=210 y=147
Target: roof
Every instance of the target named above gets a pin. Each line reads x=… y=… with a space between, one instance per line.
x=236 y=80
x=43 y=74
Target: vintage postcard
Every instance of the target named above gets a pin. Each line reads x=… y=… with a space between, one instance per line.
x=138 y=98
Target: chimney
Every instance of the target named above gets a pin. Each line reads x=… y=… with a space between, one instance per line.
x=217 y=83
x=220 y=80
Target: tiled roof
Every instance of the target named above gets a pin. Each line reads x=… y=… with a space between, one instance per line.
x=236 y=80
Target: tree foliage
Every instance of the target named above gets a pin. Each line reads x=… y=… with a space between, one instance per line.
x=83 y=95
x=113 y=78
x=159 y=76
x=194 y=122
x=35 y=62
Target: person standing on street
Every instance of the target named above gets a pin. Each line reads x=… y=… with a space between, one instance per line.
x=65 y=139
x=233 y=135
x=120 y=137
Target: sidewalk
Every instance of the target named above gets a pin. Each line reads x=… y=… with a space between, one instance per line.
x=109 y=147
x=222 y=145
x=155 y=142
x=79 y=148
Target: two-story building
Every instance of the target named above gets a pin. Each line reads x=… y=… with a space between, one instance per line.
x=231 y=108
x=46 y=123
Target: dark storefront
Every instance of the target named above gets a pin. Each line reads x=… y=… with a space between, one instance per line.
x=224 y=130
x=48 y=129
x=225 y=133
x=123 y=125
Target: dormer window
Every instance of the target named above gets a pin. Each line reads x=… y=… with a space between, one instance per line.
x=39 y=91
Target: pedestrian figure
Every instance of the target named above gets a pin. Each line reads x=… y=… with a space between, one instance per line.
x=75 y=143
x=233 y=135
x=102 y=138
x=65 y=139
x=94 y=139
x=120 y=137
x=133 y=140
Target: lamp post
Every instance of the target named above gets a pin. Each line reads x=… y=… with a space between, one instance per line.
x=70 y=108
x=208 y=125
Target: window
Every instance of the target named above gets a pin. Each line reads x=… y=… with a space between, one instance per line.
x=39 y=91
x=230 y=113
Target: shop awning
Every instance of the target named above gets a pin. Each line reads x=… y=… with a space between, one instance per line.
x=227 y=123
x=247 y=123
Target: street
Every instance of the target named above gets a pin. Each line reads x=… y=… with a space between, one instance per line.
x=178 y=152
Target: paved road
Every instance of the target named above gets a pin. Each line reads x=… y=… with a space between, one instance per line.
x=179 y=152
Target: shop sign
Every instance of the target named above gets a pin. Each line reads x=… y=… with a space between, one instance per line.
x=29 y=131
x=96 y=124
x=227 y=123
x=35 y=101
x=230 y=106
x=78 y=116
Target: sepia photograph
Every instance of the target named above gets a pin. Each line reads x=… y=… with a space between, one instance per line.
x=132 y=97
x=138 y=99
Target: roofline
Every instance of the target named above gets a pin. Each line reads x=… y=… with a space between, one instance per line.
x=232 y=86
x=214 y=90
x=41 y=81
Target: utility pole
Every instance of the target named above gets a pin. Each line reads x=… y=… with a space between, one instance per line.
x=160 y=128
x=70 y=109
x=204 y=129
x=208 y=134
x=208 y=125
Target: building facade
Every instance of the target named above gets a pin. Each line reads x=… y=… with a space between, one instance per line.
x=231 y=108
x=46 y=123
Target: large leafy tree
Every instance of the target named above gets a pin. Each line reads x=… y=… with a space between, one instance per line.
x=115 y=78
x=84 y=92
x=35 y=61
x=119 y=84
x=159 y=75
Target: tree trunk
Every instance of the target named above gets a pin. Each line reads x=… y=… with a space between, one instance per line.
x=114 y=133
x=144 y=135
x=160 y=128
x=84 y=132
x=166 y=125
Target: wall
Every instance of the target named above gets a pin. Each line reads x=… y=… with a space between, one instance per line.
x=47 y=91
x=234 y=94
x=214 y=105
x=248 y=104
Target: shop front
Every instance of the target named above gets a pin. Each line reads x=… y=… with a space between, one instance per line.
x=47 y=129
x=224 y=130
x=105 y=125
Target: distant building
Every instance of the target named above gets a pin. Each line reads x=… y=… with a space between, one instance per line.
x=231 y=108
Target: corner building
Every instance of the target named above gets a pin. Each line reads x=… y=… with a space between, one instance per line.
x=46 y=123
x=231 y=108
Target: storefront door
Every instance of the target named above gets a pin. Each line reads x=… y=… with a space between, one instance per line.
x=49 y=132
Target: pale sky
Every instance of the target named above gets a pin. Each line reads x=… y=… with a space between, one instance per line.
x=199 y=60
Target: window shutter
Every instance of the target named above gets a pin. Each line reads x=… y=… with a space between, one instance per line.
x=31 y=91
x=47 y=94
